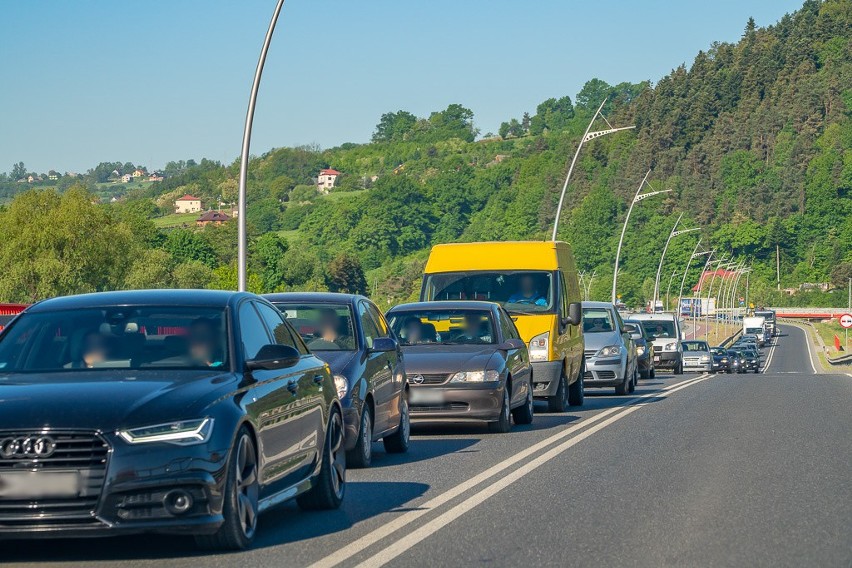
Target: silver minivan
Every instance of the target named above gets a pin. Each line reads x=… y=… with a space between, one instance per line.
x=610 y=351
x=664 y=328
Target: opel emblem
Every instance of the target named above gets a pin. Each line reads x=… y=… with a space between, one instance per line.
x=417 y=379
x=27 y=447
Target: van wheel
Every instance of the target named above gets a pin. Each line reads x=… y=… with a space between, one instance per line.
x=577 y=390
x=558 y=402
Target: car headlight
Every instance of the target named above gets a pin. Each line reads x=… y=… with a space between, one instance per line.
x=671 y=346
x=475 y=377
x=610 y=351
x=342 y=385
x=183 y=433
x=705 y=359
x=724 y=359
x=640 y=349
x=539 y=347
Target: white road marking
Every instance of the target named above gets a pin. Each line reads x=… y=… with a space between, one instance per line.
x=400 y=546
x=808 y=344
x=361 y=544
x=771 y=353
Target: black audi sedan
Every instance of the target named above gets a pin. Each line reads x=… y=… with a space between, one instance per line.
x=465 y=361
x=350 y=333
x=179 y=411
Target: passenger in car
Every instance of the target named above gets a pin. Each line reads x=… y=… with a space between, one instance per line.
x=204 y=345
x=95 y=350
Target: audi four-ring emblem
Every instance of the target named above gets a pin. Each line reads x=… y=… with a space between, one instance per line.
x=27 y=447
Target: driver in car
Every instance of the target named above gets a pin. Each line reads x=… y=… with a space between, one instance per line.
x=203 y=343
x=328 y=331
x=527 y=294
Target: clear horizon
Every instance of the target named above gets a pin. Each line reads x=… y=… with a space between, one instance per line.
x=149 y=82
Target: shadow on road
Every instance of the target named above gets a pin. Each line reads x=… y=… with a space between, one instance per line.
x=421 y=450
x=283 y=525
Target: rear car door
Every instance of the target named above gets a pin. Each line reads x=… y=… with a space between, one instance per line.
x=273 y=403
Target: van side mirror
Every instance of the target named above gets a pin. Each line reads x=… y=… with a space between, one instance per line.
x=575 y=314
x=272 y=357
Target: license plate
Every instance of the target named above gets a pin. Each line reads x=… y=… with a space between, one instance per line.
x=39 y=484
x=426 y=396
x=656 y=359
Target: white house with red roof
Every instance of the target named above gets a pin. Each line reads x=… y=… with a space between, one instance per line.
x=326 y=180
x=188 y=204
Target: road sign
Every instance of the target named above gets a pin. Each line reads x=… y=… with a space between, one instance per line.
x=846 y=320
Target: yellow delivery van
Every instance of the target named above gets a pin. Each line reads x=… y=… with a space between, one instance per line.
x=536 y=282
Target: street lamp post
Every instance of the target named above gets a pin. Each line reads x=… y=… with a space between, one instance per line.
x=636 y=199
x=669 y=287
x=695 y=254
x=718 y=264
x=679 y=304
x=674 y=233
x=242 y=242
x=588 y=135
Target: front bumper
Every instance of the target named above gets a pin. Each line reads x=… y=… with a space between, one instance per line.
x=126 y=493
x=695 y=365
x=546 y=376
x=667 y=359
x=456 y=402
x=604 y=372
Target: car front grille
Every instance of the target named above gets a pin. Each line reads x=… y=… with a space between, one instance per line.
x=417 y=408
x=589 y=353
x=658 y=348
x=85 y=453
x=428 y=379
x=599 y=375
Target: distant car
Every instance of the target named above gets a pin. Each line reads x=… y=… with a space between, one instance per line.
x=697 y=356
x=466 y=361
x=721 y=360
x=737 y=361
x=644 y=348
x=751 y=359
x=351 y=334
x=610 y=350
x=162 y=411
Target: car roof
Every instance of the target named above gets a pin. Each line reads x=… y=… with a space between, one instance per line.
x=598 y=305
x=207 y=298
x=445 y=305
x=314 y=297
x=660 y=317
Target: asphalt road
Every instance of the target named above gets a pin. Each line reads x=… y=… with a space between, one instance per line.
x=694 y=470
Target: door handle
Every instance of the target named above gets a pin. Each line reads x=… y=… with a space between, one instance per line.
x=318 y=379
x=293 y=387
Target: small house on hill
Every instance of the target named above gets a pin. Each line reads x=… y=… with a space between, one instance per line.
x=326 y=180
x=188 y=204
x=215 y=217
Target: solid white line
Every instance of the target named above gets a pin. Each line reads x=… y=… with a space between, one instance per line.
x=771 y=354
x=410 y=540
x=409 y=517
x=808 y=344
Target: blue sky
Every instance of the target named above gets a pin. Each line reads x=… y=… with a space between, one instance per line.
x=149 y=81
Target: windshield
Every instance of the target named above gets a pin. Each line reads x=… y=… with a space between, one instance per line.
x=659 y=328
x=324 y=327
x=597 y=320
x=754 y=330
x=116 y=338
x=447 y=327
x=519 y=291
x=768 y=316
x=695 y=346
x=719 y=351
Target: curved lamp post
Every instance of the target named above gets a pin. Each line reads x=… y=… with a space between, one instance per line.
x=636 y=199
x=674 y=233
x=588 y=135
x=244 y=157
x=669 y=288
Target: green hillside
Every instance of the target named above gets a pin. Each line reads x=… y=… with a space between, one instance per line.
x=754 y=139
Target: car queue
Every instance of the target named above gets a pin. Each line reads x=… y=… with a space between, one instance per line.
x=192 y=412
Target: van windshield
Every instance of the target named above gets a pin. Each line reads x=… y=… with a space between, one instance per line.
x=519 y=291
x=659 y=328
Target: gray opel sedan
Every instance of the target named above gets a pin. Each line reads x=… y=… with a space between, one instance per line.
x=465 y=362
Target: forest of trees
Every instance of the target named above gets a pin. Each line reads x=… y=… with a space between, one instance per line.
x=754 y=139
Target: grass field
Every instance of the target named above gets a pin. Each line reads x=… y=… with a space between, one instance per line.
x=176 y=220
x=827 y=330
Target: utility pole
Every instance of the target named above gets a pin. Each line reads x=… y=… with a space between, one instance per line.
x=778 y=266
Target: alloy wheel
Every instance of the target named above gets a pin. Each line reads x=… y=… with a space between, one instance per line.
x=246 y=486
x=337 y=454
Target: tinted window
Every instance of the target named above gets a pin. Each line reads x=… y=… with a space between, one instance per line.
x=116 y=338
x=324 y=327
x=252 y=331
x=279 y=328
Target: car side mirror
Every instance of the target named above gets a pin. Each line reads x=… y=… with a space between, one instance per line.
x=511 y=345
x=272 y=357
x=575 y=314
x=383 y=345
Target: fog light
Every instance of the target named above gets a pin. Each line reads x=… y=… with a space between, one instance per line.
x=177 y=502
